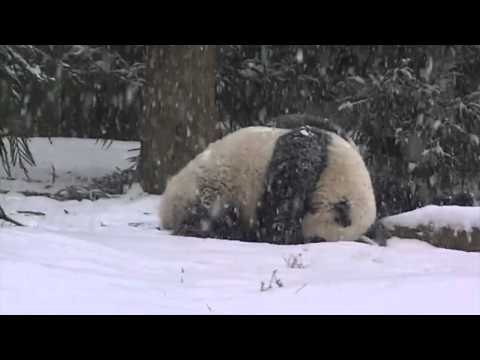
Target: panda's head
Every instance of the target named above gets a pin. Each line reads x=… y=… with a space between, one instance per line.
x=342 y=204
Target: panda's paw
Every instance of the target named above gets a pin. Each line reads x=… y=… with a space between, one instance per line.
x=366 y=240
x=190 y=231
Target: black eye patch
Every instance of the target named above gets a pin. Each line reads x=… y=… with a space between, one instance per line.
x=342 y=213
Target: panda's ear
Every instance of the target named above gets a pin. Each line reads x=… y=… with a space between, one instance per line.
x=342 y=213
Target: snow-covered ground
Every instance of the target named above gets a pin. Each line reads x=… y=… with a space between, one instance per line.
x=72 y=161
x=107 y=257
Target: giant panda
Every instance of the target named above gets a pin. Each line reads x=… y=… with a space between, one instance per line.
x=282 y=186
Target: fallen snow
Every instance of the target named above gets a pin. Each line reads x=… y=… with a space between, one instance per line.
x=74 y=162
x=455 y=217
x=107 y=257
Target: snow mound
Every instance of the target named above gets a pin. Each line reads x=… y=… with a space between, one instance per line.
x=456 y=218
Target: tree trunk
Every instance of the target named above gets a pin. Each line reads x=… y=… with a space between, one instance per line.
x=180 y=110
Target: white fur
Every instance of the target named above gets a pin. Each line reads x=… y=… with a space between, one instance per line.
x=233 y=169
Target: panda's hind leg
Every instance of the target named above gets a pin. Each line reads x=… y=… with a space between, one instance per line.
x=192 y=222
x=202 y=222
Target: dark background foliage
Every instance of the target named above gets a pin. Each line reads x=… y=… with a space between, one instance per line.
x=413 y=110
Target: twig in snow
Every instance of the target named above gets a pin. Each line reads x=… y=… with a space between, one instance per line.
x=35 y=213
x=294 y=262
x=5 y=217
x=135 y=224
x=273 y=279
x=54 y=174
x=301 y=288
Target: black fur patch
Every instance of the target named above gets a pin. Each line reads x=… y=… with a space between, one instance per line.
x=299 y=158
x=342 y=211
x=200 y=223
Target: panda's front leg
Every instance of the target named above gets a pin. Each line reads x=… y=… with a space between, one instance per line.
x=287 y=232
x=281 y=223
x=281 y=211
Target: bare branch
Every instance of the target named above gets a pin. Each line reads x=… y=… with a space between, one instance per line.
x=5 y=217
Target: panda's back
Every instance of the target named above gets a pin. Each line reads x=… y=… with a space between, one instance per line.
x=238 y=164
x=232 y=169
